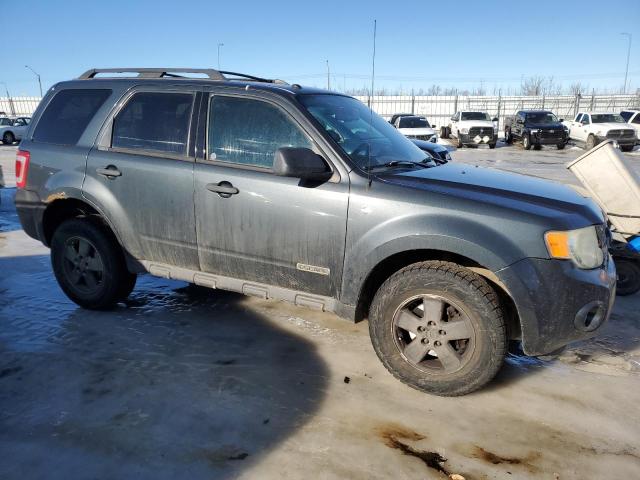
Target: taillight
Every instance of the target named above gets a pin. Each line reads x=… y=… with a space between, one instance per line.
x=22 y=167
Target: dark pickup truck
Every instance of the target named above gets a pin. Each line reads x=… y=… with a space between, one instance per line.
x=535 y=128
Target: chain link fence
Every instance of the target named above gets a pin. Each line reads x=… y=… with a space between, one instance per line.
x=18 y=106
x=439 y=109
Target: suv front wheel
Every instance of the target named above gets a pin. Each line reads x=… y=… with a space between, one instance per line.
x=89 y=264
x=439 y=328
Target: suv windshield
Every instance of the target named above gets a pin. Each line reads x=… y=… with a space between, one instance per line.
x=363 y=135
x=413 y=122
x=475 y=116
x=542 y=117
x=607 y=118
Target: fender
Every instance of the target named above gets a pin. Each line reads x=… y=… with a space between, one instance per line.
x=450 y=234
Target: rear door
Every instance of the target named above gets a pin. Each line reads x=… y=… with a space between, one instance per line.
x=141 y=175
x=270 y=229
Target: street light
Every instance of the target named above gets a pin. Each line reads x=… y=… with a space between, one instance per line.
x=219 y=45
x=37 y=75
x=626 y=72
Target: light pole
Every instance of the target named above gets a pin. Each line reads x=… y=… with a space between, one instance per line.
x=626 y=71
x=219 y=45
x=6 y=89
x=37 y=75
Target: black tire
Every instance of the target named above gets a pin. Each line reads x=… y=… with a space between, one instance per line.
x=444 y=132
x=526 y=141
x=537 y=146
x=89 y=264
x=626 y=148
x=492 y=145
x=8 y=138
x=508 y=138
x=560 y=146
x=591 y=142
x=127 y=286
x=628 y=276
x=459 y=143
x=469 y=301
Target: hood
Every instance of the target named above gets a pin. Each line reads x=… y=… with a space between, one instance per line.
x=429 y=146
x=417 y=131
x=529 y=195
x=611 y=126
x=546 y=126
x=474 y=123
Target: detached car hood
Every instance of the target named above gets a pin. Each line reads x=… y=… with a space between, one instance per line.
x=417 y=131
x=530 y=195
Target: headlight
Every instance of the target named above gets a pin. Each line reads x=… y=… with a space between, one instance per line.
x=580 y=245
x=534 y=130
x=464 y=130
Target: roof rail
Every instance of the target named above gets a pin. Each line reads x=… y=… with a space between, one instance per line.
x=173 y=73
x=154 y=72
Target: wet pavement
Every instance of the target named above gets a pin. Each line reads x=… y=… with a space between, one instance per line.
x=185 y=382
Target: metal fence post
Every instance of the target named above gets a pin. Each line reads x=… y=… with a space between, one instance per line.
x=455 y=104
x=413 y=103
x=499 y=105
x=593 y=98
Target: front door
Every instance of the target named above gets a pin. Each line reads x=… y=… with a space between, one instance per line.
x=142 y=177
x=254 y=225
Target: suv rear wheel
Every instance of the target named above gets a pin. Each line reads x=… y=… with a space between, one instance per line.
x=439 y=328
x=89 y=265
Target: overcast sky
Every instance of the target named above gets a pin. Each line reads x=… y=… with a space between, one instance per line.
x=419 y=43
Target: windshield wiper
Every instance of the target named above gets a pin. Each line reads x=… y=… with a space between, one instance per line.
x=397 y=163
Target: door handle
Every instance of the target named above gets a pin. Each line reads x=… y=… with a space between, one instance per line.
x=224 y=189
x=109 y=171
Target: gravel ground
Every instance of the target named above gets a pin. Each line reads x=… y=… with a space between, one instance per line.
x=184 y=382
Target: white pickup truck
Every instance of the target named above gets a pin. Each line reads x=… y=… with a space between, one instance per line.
x=591 y=128
x=632 y=117
x=472 y=128
x=12 y=129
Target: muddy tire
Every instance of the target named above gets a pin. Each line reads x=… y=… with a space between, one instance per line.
x=628 y=276
x=508 y=139
x=591 y=142
x=626 y=148
x=526 y=141
x=560 y=146
x=8 y=138
x=444 y=132
x=89 y=264
x=438 y=328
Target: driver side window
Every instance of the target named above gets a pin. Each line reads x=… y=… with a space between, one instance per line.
x=248 y=132
x=585 y=120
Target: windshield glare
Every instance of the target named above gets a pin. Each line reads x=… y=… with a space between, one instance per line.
x=607 y=118
x=475 y=116
x=413 y=122
x=542 y=118
x=365 y=137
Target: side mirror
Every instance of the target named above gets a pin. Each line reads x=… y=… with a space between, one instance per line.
x=300 y=163
x=433 y=125
x=495 y=119
x=562 y=119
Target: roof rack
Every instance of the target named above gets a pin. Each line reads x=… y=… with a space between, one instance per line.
x=174 y=73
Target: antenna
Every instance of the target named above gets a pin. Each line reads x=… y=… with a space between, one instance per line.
x=373 y=75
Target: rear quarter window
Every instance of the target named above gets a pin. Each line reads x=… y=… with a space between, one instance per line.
x=67 y=115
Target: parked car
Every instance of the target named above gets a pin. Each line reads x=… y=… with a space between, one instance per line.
x=417 y=127
x=304 y=195
x=12 y=129
x=472 y=128
x=591 y=128
x=440 y=153
x=535 y=128
x=632 y=117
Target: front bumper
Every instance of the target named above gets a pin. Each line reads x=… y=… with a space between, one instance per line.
x=625 y=142
x=538 y=138
x=557 y=302
x=466 y=139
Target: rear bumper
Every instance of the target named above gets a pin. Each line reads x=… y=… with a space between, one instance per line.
x=557 y=302
x=30 y=211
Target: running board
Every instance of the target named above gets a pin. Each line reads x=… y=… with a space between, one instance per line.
x=261 y=290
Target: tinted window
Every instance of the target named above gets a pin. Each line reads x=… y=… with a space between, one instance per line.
x=541 y=118
x=249 y=131
x=606 y=118
x=578 y=118
x=154 y=121
x=68 y=114
x=475 y=116
x=626 y=115
x=20 y=122
x=585 y=119
x=636 y=119
x=413 y=122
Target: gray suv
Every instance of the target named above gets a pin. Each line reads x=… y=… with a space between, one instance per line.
x=304 y=195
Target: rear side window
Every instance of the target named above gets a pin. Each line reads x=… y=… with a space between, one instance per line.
x=154 y=121
x=68 y=114
x=636 y=119
x=248 y=132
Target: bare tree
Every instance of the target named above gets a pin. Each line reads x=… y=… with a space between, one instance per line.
x=532 y=85
x=434 y=90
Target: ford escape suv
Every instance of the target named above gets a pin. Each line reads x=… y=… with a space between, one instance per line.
x=280 y=191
